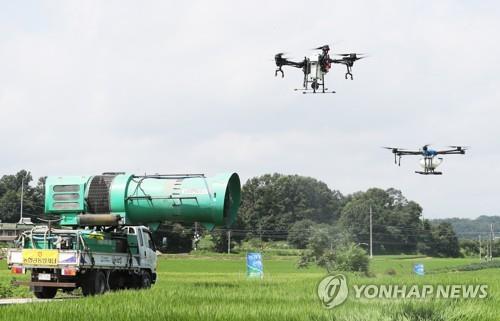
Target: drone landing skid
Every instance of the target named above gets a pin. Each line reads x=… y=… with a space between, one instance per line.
x=310 y=91
x=429 y=173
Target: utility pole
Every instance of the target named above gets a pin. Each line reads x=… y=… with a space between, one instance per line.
x=229 y=242
x=480 y=248
x=486 y=249
x=22 y=196
x=487 y=256
x=371 y=234
x=491 y=241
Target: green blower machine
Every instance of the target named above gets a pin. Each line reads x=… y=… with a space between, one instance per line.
x=113 y=199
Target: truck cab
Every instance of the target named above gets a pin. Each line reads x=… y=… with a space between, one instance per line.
x=93 y=261
x=146 y=246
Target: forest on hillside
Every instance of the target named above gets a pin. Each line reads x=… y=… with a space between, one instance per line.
x=470 y=229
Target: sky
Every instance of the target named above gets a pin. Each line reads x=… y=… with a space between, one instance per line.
x=188 y=87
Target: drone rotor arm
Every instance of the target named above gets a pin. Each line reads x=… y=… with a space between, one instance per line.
x=280 y=62
x=402 y=151
x=409 y=152
x=337 y=61
x=346 y=61
x=294 y=64
x=455 y=150
x=451 y=152
x=399 y=153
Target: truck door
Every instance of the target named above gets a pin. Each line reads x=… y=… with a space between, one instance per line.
x=148 y=250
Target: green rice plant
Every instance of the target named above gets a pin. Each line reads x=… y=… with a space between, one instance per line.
x=216 y=288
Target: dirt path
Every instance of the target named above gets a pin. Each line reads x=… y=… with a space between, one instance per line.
x=31 y=300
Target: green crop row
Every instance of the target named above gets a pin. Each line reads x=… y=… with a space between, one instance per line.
x=216 y=288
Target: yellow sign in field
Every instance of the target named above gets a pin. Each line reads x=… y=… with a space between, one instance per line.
x=40 y=257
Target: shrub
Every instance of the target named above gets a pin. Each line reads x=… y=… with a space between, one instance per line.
x=390 y=271
x=347 y=258
x=5 y=291
x=280 y=248
x=351 y=258
x=206 y=244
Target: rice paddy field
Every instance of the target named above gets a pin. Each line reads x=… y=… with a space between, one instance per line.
x=216 y=288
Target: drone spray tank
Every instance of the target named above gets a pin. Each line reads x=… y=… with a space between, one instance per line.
x=430 y=163
x=114 y=199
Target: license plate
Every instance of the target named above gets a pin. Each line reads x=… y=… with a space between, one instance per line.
x=44 y=276
x=40 y=257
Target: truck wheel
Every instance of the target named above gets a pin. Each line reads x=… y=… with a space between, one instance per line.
x=117 y=281
x=46 y=293
x=100 y=283
x=145 y=280
x=94 y=283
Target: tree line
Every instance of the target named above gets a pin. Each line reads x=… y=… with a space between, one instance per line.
x=290 y=208
x=294 y=207
x=470 y=229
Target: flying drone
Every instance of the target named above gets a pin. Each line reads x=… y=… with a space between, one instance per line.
x=429 y=162
x=316 y=66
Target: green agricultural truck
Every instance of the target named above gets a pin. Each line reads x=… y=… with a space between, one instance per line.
x=101 y=238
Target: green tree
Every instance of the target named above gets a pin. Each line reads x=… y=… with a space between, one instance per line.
x=469 y=247
x=425 y=241
x=275 y=202
x=206 y=243
x=350 y=257
x=495 y=249
x=38 y=197
x=300 y=232
x=220 y=239
x=396 y=221
x=179 y=237
x=10 y=197
x=445 y=241
x=333 y=250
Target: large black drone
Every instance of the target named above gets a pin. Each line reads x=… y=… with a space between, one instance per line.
x=315 y=67
x=429 y=162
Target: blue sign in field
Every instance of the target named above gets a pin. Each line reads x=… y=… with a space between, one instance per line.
x=419 y=269
x=255 y=268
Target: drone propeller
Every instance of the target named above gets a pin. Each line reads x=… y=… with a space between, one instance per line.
x=459 y=147
x=397 y=156
x=352 y=56
x=282 y=56
x=324 y=47
x=394 y=149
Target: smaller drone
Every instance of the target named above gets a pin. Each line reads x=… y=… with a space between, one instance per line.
x=316 y=66
x=429 y=162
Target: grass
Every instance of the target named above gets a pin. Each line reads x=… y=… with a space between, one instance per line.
x=215 y=288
